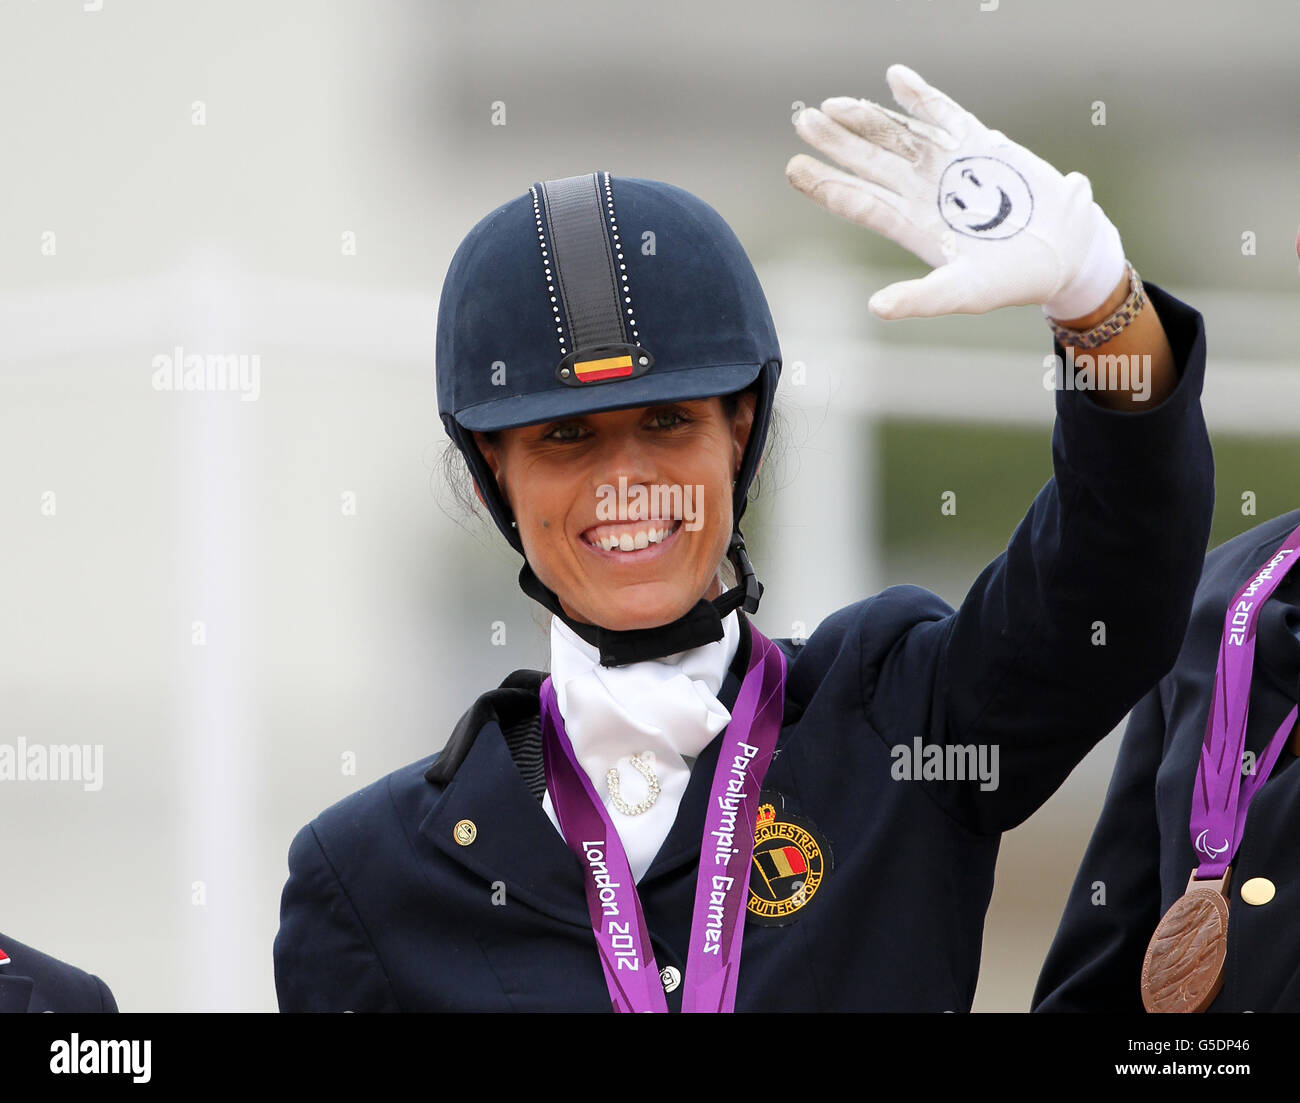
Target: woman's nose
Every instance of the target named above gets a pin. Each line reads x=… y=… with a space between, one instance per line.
x=624 y=457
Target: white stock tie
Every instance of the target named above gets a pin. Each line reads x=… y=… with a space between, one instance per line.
x=667 y=707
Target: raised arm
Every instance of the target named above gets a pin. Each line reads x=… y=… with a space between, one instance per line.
x=1062 y=633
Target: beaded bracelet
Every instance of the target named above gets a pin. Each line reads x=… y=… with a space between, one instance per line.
x=1116 y=323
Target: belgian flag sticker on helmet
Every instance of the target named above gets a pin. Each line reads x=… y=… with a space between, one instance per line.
x=599 y=365
x=609 y=367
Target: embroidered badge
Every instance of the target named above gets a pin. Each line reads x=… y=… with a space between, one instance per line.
x=790 y=862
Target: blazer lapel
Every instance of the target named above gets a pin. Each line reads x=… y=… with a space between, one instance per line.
x=514 y=841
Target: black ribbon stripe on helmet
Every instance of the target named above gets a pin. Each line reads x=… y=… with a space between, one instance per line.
x=594 y=293
x=590 y=283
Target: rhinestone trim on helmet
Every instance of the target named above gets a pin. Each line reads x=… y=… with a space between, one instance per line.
x=622 y=267
x=546 y=265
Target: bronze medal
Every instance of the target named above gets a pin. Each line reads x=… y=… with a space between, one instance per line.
x=1183 y=967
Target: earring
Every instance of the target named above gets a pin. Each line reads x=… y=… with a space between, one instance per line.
x=515 y=524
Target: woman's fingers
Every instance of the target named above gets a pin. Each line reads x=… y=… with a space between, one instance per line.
x=881 y=151
x=870 y=122
x=946 y=290
x=920 y=127
x=928 y=103
x=844 y=194
x=903 y=134
x=851 y=197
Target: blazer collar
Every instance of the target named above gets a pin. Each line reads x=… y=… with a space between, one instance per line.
x=515 y=698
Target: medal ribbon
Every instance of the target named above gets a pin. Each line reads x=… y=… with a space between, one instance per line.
x=1221 y=798
x=622 y=938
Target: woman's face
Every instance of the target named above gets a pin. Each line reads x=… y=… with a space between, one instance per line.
x=655 y=479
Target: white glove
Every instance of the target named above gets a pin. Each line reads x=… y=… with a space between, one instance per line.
x=1001 y=226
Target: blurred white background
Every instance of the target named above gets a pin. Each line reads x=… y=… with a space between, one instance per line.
x=199 y=602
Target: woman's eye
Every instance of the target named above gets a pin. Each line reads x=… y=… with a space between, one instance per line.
x=669 y=419
x=564 y=432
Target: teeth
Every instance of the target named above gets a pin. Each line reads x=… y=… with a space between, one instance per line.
x=629 y=542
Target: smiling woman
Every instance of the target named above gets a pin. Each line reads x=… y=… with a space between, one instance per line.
x=680 y=788
x=570 y=363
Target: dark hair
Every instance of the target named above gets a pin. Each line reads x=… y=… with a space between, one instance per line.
x=456 y=475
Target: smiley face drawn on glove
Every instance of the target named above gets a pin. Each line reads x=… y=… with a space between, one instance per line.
x=985 y=198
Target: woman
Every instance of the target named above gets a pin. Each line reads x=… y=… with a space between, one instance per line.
x=685 y=814
x=1127 y=941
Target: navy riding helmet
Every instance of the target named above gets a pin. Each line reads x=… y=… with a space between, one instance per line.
x=595 y=293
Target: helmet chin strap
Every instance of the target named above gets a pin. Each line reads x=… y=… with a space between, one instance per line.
x=700 y=624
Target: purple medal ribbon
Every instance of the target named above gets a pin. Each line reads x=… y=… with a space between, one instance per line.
x=1221 y=797
x=713 y=958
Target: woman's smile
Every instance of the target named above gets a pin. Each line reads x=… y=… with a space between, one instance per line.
x=632 y=542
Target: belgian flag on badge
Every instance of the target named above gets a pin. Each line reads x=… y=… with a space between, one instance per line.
x=791 y=860
x=609 y=367
x=781 y=861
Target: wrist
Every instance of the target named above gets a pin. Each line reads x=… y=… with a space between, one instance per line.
x=1094 y=285
x=1103 y=325
x=1113 y=302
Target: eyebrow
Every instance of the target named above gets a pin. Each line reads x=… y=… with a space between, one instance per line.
x=650 y=409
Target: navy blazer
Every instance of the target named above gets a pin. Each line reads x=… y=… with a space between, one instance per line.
x=33 y=981
x=1140 y=854
x=384 y=910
